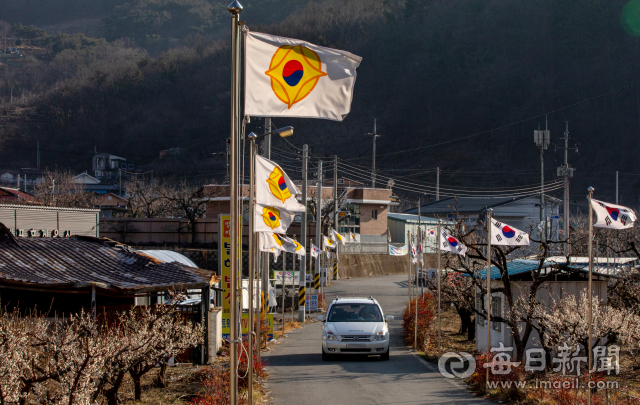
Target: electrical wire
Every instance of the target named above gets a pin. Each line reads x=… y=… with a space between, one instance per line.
x=471 y=194
x=452 y=189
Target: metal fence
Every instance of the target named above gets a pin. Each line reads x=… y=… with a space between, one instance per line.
x=365 y=248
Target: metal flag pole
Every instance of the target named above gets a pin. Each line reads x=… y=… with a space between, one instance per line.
x=284 y=277
x=293 y=285
x=438 y=276
x=590 y=314
x=234 y=8
x=409 y=269
x=251 y=273
x=415 y=331
x=259 y=301
x=302 y=298
x=488 y=277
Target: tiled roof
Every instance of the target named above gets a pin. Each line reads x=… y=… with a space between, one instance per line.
x=79 y=262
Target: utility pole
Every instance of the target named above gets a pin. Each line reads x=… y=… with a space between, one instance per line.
x=267 y=139
x=319 y=216
x=120 y=183
x=437 y=184
x=373 y=164
x=302 y=299
x=38 y=157
x=226 y=177
x=616 y=187
x=566 y=172
x=542 y=140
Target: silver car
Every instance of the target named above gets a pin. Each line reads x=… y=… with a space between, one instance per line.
x=355 y=326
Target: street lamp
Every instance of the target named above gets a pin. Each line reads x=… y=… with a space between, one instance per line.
x=283 y=132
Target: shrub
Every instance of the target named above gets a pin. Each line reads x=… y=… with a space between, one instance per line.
x=426 y=314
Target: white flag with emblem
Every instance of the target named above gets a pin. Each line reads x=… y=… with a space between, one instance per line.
x=338 y=237
x=271 y=219
x=353 y=237
x=328 y=243
x=274 y=188
x=450 y=244
x=270 y=241
x=503 y=234
x=288 y=77
x=612 y=216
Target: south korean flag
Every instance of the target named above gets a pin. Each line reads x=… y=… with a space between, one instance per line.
x=612 y=216
x=450 y=244
x=503 y=234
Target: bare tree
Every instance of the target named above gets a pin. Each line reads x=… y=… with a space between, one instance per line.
x=188 y=202
x=60 y=189
x=147 y=199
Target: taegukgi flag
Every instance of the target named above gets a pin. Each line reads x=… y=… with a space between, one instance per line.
x=414 y=252
x=450 y=244
x=612 y=216
x=271 y=219
x=315 y=251
x=503 y=234
x=274 y=188
x=292 y=78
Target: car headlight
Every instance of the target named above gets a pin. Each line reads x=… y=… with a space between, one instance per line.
x=331 y=336
x=379 y=335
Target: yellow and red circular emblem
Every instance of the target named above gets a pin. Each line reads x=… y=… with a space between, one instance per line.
x=294 y=73
x=271 y=217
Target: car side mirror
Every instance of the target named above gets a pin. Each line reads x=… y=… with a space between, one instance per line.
x=389 y=318
x=321 y=318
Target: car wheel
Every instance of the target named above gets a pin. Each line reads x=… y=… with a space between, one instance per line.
x=325 y=356
x=384 y=356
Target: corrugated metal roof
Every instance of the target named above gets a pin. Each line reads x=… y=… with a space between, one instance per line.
x=412 y=218
x=169 y=256
x=77 y=262
x=523 y=266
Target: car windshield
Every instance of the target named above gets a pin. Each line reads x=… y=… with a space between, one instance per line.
x=355 y=313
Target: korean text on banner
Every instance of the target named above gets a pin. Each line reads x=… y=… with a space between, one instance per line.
x=291 y=78
x=224 y=267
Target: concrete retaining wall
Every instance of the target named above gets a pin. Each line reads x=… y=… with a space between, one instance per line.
x=352 y=265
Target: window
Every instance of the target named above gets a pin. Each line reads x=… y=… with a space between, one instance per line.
x=340 y=181
x=123 y=166
x=480 y=319
x=496 y=310
x=130 y=166
x=354 y=313
x=374 y=214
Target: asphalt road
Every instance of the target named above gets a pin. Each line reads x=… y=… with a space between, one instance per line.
x=297 y=375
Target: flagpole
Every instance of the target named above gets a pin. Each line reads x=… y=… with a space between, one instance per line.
x=488 y=277
x=590 y=190
x=409 y=269
x=438 y=275
x=251 y=273
x=415 y=329
x=234 y=8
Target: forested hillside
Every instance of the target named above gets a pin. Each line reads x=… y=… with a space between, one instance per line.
x=445 y=79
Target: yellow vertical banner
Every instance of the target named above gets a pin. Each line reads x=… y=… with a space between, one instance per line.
x=224 y=268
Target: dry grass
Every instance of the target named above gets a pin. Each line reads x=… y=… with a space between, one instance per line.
x=450 y=340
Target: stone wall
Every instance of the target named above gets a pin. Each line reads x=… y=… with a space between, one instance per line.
x=355 y=265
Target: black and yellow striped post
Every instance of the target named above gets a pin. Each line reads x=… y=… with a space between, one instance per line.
x=301 y=296
x=316 y=281
x=335 y=268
